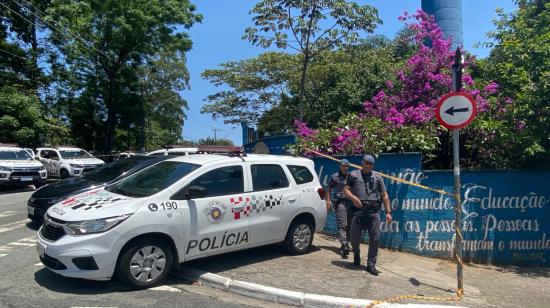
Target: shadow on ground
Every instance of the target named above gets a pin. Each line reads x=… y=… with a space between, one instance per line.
x=58 y=283
x=228 y=261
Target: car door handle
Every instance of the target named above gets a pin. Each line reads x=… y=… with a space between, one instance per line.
x=292 y=199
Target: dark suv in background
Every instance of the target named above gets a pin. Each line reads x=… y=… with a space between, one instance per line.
x=48 y=195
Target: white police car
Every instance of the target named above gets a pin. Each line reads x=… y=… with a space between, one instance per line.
x=67 y=161
x=17 y=166
x=181 y=209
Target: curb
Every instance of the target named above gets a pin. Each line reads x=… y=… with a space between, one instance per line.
x=281 y=296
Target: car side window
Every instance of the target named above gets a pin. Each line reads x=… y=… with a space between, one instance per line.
x=267 y=177
x=218 y=182
x=53 y=154
x=45 y=154
x=301 y=174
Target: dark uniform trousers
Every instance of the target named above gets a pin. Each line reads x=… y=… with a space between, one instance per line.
x=343 y=220
x=371 y=223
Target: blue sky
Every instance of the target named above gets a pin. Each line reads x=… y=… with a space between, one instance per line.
x=218 y=39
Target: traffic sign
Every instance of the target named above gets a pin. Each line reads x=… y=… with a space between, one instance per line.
x=456 y=110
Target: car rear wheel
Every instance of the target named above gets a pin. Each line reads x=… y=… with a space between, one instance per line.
x=299 y=237
x=145 y=263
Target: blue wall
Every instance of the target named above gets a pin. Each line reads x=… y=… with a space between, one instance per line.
x=506 y=214
x=276 y=145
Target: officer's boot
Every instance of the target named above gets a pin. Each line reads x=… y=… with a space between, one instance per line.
x=356 y=259
x=344 y=251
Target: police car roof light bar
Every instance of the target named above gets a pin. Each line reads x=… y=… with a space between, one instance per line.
x=221 y=149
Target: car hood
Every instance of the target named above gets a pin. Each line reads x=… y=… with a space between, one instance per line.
x=20 y=163
x=94 y=204
x=64 y=188
x=85 y=161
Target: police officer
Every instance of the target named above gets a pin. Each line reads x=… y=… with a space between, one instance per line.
x=341 y=206
x=367 y=191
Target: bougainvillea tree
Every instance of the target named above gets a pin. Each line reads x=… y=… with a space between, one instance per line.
x=400 y=117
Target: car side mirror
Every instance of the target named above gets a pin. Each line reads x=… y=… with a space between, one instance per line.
x=195 y=192
x=55 y=158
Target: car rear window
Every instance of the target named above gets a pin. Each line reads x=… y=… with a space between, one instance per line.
x=301 y=174
x=266 y=177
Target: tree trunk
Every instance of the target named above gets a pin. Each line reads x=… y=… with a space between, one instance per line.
x=34 y=72
x=111 y=119
x=303 y=84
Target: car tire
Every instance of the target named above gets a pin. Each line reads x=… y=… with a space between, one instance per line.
x=157 y=261
x=63 y=173
x=299 y=237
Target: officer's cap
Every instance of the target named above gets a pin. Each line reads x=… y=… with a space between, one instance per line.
x=344 y=162
x=368 y=159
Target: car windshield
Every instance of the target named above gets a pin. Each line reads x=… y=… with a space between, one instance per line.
x=153 y=179
x=73 y=154
x=113 y=170
x=14 y=155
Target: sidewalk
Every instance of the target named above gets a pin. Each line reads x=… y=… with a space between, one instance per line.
x=323 y=272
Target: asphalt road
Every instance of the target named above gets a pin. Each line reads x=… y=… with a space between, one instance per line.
x=26 y=282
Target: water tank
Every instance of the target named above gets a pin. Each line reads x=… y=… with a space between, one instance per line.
x=448 y=15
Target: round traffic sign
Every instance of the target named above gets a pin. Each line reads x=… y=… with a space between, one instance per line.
x=456 y=110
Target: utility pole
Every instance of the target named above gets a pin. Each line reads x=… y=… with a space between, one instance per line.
x=142 y=120
x=215 y=133
x=457 y=86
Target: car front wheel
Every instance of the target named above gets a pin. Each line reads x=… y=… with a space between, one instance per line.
x=145 y=263
x=299 y=237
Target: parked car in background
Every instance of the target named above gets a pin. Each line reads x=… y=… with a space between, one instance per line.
x=181 y=209
x=64 y=162
x=42 y=199
x=124 y=155
x=18 y=167
x=174 y=151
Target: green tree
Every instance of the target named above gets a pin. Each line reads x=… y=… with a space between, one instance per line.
x=212 y=141
x=520 y=64
x=309 y=27
x=262 y=89
x=104 y=43
x=257 y=84
x=21 y=119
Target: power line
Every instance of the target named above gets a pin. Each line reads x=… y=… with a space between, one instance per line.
x=9 y=53
x=83 y=40
x=24 y=18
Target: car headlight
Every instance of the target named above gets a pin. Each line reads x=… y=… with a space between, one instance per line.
x=77 y=166
x=5 y=168
x=95 y=225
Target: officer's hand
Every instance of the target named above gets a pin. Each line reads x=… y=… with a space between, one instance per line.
x=388 y=218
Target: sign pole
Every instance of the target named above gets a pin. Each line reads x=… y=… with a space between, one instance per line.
x=457 y=85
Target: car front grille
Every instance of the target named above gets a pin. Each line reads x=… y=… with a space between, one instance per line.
x=25 y=173
x=51 y=232
x=34 y=169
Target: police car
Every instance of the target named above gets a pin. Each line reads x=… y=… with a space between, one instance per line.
x=182 y=209
x=67 y=161
x=17 y=166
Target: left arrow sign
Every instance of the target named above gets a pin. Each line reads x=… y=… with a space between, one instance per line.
x=452 y=110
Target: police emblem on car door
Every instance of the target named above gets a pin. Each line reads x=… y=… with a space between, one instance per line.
x=210 y=225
